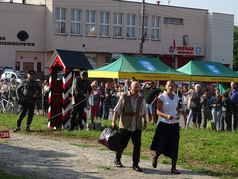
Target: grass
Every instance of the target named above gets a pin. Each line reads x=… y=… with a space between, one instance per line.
x=210 y=152
x=4 y=175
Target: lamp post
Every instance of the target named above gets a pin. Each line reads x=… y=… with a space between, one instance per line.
x=142 y=40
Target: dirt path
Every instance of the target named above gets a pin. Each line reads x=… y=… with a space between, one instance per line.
x=42 y=157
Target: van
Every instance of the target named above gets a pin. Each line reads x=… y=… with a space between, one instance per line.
x=10 y=74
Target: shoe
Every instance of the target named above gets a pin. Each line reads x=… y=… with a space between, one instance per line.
x=17 y=129
x=118 y=163
x=136 y=168
x=175 y=171
x=81 y=127
x=28 y=129
x=154 y=161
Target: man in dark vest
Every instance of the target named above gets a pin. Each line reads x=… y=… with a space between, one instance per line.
x=131 y=109
x=27 y=93
x=233 y=98
x=81 y=89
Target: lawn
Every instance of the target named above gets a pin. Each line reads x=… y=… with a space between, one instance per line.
x=210 y=152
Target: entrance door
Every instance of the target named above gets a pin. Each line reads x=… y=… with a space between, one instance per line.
x=28 y=66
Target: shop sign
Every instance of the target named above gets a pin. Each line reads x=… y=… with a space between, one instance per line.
x=185 y=50
x=22 y=36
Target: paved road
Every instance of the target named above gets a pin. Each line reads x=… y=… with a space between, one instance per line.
x=44 y=157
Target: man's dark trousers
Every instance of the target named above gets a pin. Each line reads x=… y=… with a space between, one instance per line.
x=125 y=136
x=27 y=107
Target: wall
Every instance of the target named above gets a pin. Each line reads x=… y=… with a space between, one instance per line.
x=15 y=18
x=220 y=38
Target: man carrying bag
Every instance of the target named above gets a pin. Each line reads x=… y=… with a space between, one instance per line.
x=131 y=109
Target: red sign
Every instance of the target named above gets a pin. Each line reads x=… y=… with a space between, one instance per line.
x=185 y=50
x=4 y=134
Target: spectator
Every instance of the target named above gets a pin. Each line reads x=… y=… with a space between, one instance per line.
x=195 y=106
x=205 y=108
x=107 y=100
x=13 y=95
x=226 y=112
x=216 y=104
x=46 y=91
x=95 y=100
x=233 y=97
x=185 y=99
x=81 y=89
x=27 y=93
x=101 y=88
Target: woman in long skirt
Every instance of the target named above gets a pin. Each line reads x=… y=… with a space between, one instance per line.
x=166 y=138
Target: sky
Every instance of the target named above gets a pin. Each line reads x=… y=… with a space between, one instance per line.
x=225 y=6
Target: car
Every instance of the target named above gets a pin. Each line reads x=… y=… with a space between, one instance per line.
x=11 y=74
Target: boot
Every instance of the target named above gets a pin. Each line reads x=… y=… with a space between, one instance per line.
x=28 y=129
x=17 y=129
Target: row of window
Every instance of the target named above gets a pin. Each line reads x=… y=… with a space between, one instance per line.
x=104 y=24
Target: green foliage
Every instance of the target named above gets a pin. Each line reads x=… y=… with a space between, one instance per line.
x=202 y=151
x=235 y=51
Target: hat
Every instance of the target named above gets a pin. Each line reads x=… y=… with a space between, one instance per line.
x=31 y=72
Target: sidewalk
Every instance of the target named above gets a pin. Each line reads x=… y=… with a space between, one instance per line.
x=42 y=157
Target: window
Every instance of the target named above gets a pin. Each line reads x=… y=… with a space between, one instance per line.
x=104 y=24
x=60 y=20
x=117 y=26
x=155 y=31
x=75 y=22
x=108 y=60
x=173 y=20
x=130 y=26
x=92 y=59
x=90 y=23
x=145 y=26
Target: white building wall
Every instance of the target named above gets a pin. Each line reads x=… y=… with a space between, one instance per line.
x=15 y=18
x=219 y=42
x=192 y=17
x=212 y=32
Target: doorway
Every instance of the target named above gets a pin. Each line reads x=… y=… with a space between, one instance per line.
x=28 y=66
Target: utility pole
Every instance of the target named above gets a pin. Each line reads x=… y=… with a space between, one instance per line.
x=142 y=40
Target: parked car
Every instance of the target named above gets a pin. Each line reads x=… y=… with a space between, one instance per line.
x=9 y=74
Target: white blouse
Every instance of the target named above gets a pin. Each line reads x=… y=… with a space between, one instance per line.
x=169 y=107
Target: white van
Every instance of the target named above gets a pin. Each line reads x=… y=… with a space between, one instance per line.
x=10 y=74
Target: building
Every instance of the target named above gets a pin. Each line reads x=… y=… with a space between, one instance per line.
x=30 y=31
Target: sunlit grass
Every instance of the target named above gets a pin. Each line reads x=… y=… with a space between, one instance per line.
x=210 y=152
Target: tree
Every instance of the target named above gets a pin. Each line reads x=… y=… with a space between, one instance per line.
x=235 y=49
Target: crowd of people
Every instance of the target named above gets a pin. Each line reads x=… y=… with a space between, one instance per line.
x=203 y=105
x=134 y=103
x=197 y=104
x=9 y=102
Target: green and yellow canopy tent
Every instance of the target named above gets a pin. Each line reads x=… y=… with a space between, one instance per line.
x=206 y=71
x=142 y=68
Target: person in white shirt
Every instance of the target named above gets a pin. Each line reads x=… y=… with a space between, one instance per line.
x=185 y=108
x=166 y=138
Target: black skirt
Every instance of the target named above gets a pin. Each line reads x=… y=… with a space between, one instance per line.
x=166 y=140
